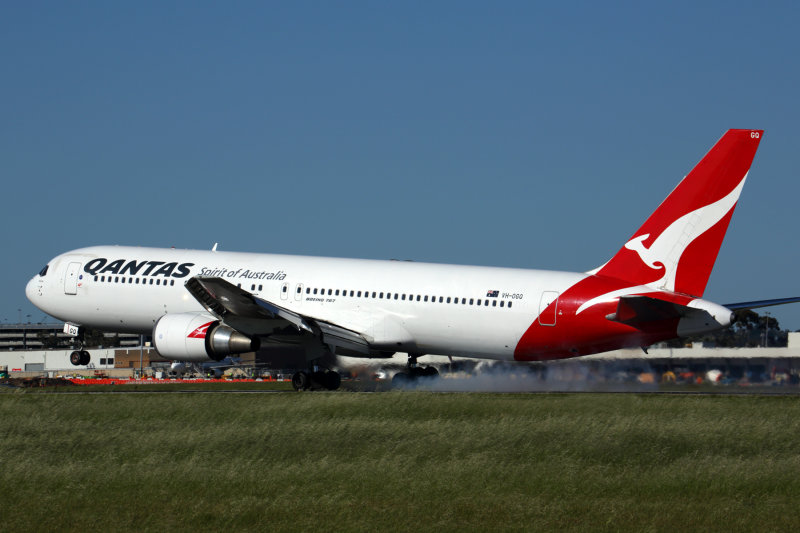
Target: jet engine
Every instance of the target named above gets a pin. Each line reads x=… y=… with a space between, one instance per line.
x=199 y=337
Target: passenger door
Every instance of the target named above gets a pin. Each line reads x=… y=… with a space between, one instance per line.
x=71 y=278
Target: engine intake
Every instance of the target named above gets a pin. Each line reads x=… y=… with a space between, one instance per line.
x=199 y=337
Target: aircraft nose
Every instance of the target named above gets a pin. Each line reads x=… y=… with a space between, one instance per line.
x=32 y=290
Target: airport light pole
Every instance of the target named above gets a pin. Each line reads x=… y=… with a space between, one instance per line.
x=141 y=354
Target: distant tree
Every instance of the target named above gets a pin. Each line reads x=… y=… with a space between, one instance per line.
x=747 y=331
x=49 y=341
x=93 y=338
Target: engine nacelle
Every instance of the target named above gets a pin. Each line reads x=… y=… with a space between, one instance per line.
x=199 y=337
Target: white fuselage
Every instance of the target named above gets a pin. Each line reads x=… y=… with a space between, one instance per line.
x=396 y=305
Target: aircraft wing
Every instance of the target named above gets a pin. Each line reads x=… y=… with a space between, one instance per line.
x=255 y=316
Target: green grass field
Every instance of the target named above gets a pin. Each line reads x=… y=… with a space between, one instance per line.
x=399 y=461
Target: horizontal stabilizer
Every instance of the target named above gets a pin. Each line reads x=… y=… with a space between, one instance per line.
x=638 y=310
x=762 y=303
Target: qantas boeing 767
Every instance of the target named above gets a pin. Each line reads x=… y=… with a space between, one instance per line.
x=206 y=305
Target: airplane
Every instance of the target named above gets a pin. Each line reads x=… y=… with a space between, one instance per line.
x=204 y=305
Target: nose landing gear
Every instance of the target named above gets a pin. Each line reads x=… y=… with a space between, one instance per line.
x=80 y=357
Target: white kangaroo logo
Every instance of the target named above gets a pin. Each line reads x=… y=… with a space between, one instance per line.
x=666 y=250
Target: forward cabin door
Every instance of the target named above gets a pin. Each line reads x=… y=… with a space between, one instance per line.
x=71 y=279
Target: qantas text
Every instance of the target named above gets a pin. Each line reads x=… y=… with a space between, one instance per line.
x=133 y=267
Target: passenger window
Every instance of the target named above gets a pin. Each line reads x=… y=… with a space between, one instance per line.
x=395 y=296
x=418 y=297
x=172 y=283
x=373 y=295
x=337 y=292
x=426 y=297
x=359 y=294
x=351 y=294
x=502 y=303
x=308 y=290
x=315 y=291
x=463 y=301
x=330 y=292
x=494 y=303
x=381 y=295
x=404 y=297
x=448 y=299
x=471 y=301
x=509 y=303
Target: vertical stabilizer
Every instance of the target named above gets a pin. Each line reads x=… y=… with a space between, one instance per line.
x=676 y=247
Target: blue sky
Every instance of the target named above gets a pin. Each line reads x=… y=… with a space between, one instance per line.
x=503 y=133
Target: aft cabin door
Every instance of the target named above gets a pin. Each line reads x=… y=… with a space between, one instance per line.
x=71 y=279
x=548 y=308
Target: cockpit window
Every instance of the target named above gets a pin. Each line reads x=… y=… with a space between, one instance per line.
x=44 y=270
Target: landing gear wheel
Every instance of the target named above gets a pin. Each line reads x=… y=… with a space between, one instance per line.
x=300 y=381
x=75 y=358
x=430 y=372
x=401 y=380
x=332 y=380
x=318 y=379
x=85 y=357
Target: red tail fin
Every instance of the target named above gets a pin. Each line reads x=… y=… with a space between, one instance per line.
x=676 y=247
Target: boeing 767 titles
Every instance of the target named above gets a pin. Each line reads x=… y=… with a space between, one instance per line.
x=206 y=305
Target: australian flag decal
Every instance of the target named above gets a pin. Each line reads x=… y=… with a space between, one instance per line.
x=492 y=294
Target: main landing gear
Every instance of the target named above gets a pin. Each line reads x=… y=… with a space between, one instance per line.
x=413 y=374
x=316 y=378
